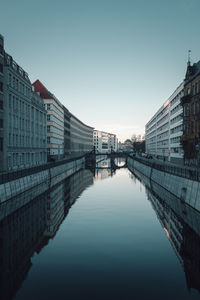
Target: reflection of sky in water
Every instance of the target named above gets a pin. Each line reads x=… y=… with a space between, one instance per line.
x=110 y=246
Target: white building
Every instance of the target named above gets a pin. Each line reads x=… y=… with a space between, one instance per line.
x=24 y=141
x=164 y=130
x=55 y=121
x=104 y=142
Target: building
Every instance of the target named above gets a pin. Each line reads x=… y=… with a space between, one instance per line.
x=23 y=125
x=66 y=134
x=55 y=121
x=1 y=102
x=191 y=114
x=165 y=129
x=81 y=136
x=67 y=116
x=128 y=146
x=104 y=142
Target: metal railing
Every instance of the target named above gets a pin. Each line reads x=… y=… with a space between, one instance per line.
x=13 y=175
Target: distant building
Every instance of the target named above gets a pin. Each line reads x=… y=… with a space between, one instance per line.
x=128 y=145
x=81 y=136
x=104 y=142
x=22 y=121
x=165 y=129
x=191 y=114
x=55 y=121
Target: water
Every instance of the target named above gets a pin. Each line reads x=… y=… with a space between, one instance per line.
x=106 y=237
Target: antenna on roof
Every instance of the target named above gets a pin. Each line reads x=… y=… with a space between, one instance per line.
x=189 y=57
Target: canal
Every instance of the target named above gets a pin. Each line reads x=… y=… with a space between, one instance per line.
x=99 y=235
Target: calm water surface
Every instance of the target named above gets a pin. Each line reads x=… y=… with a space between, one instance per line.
x=111 y=244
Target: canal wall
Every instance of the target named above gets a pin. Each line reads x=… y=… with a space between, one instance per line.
x=186 y=189
x=41 y=180
x=158 y=194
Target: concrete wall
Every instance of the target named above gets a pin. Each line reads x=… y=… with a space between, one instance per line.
x=185 y=189
x=47 y=178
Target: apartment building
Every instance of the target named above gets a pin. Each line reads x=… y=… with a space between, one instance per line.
x=104 y=142
x=24 y=124
x=165 y=129
x=55 y=121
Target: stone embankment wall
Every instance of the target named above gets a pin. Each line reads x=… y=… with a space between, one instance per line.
x=184 y=188
x=157 y=193
x=39 y=182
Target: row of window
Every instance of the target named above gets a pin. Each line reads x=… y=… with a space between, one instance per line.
x=176 y=119
x=18 y=123
x=162 y=120
x=176 y=129
x=194 y=89
x=175 y=140
x=177 y=108
x=53 y=140
x=54 y=119
x=177 y=98
x=51 y=106
x=16 y=140
x=18 y=85
x=17 y=159
x=54 y=129
x=17 y=105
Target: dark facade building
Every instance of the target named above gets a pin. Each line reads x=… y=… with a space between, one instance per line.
x=191 y=114
x=66 y=131
x=1 y=100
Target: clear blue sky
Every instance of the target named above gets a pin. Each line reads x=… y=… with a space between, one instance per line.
x=112 y=63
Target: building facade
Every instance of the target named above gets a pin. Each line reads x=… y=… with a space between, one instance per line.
x=104 y=142
x=1 y=102
x=165 y=129
x=81 y=136
x=67 y=116
x=55 y=122
x=191 y=114
x=24 y=124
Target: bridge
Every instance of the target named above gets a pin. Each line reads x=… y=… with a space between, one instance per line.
x=91 y=159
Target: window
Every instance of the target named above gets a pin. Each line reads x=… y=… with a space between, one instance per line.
x=1 y=68
x=1 y=144
x=9 y=79
x=1 y=104
x=1 y=123
x=1 y=86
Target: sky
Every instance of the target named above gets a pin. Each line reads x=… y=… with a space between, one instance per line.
x=112 y=63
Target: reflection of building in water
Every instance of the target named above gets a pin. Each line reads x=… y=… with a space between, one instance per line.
x=184 y=240
x=20 y=234
x=28 y=229
x=55 y=209
x=101 y=174
x=62 y=196
x=78 y=183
